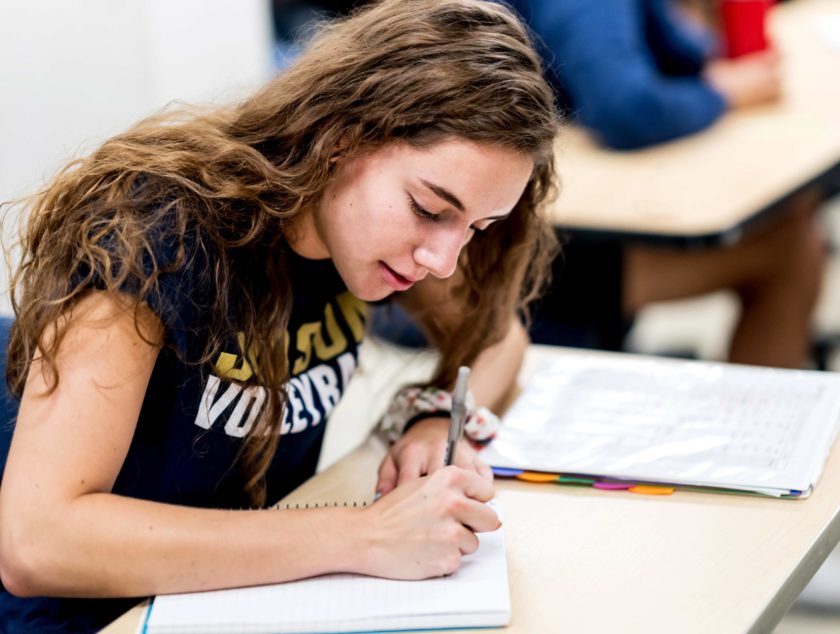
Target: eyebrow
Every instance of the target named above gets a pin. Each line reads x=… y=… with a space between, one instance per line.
x=453 y=200
x=448 y=196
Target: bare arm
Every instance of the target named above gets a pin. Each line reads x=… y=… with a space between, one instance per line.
x=63 y=533
x=494 y=373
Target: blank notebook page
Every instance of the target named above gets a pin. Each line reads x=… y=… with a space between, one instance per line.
x=474 y=596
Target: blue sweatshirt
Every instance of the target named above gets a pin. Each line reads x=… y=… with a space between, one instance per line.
x=629 y=70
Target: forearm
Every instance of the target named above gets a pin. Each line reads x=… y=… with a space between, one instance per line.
x=102 y=545
x=496 y=368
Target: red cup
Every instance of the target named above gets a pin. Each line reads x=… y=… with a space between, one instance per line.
x=744 y=26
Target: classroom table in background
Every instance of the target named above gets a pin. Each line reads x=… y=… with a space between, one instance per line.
x=586 y=560
x=708 y=187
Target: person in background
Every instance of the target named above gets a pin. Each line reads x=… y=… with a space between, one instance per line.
x=295 y=21
x=191 y=297
x=640 y=72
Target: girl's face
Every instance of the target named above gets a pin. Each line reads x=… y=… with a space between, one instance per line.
x=393 y=216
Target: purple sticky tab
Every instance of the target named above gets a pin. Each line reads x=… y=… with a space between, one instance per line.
x=613 y=486
x=503 y=472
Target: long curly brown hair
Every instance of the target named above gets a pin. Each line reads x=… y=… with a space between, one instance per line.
x=228 y=181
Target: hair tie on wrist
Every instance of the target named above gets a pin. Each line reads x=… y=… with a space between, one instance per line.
x=413 y=404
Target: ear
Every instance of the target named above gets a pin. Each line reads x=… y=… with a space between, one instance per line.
x=339 y=151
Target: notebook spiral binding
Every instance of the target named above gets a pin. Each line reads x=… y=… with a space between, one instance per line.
x=320 y=505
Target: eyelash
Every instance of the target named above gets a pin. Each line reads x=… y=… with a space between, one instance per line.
x=418 y=210
x=427 y=215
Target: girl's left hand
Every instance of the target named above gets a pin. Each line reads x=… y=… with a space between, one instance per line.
x=421 y=451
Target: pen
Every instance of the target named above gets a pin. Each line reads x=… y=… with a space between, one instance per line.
x=459 y=413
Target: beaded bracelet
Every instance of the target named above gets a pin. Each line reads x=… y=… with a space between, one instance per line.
x=413 y=404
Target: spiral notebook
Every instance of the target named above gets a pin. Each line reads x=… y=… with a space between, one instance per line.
x=631 y=418
x=476 y=595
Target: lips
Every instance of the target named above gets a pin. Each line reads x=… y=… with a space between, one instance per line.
x=393 y=279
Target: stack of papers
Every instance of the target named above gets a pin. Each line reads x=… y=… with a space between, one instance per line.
x=685 y=423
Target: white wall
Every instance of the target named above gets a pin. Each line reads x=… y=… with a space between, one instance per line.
x=74 y=73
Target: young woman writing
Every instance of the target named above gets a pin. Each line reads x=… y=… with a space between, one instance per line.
x=191 y=298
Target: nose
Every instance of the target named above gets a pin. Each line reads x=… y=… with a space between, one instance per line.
x=439 y=252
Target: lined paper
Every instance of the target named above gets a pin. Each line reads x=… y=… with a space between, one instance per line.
x=672 y=421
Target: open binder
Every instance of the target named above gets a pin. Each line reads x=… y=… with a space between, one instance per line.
x=618 y=419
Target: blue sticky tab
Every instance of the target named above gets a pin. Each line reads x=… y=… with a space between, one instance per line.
x=503 y=472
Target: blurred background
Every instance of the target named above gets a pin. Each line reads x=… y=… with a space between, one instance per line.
x=72 y=74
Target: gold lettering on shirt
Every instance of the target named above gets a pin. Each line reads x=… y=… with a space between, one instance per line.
x=311 y=335
x=325 y=339
x=225 y=364
x=355 y=312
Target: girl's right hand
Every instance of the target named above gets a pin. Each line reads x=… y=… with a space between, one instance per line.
x=422 y=528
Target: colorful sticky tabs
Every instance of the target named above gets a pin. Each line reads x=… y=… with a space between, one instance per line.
x=648 y=489
x=539 y=477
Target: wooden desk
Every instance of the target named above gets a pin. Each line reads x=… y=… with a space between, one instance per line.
x=583 y=560
x=707 y=187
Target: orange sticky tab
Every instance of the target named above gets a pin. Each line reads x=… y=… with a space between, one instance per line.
x=646 y=489
x=533 y=476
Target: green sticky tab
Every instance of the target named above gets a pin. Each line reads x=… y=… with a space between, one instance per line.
x=575 y=480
